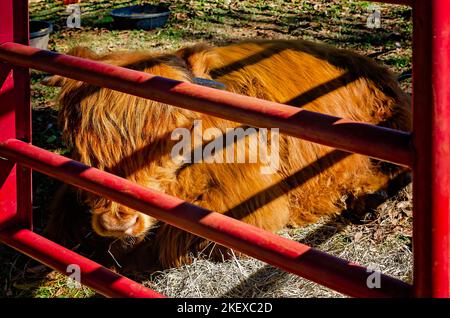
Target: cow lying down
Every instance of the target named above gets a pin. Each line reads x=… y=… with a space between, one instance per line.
x=134 y=138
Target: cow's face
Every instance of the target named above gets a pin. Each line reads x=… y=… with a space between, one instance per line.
x=121 y=222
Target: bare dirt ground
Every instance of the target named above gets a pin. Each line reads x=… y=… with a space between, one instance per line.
x=381 y=239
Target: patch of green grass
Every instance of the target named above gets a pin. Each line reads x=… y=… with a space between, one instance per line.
x=399 y=62
x=59 y=286
x=405 y=239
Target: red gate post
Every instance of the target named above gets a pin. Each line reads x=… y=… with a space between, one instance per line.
x=431 y=139
x=15 y=117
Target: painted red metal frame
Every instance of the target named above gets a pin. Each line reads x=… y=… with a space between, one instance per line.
x=431 y=122
x=15 y=117
x=374 y=141
x=429 y=158
x=57 y=257
x=289 y=255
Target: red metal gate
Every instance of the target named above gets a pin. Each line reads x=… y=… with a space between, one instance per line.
x=426 y=150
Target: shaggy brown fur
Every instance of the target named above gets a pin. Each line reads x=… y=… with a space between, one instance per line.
x=130 y=137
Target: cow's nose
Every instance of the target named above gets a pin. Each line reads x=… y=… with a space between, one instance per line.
x=121 y=223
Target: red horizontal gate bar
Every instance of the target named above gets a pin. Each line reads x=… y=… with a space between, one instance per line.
x=322 y=268
x=377 y=142
x=57 y=257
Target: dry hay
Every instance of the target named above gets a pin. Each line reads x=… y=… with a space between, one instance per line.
x=384 y=243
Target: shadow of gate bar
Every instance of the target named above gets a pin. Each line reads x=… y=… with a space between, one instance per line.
x=426 y=150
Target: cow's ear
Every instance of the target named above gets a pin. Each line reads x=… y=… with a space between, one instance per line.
x=200 y=59
x=54 y=80
x=78 y=51
x=84 y=52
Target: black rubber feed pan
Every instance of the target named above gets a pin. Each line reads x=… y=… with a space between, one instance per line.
x=144 y=16
x=39 y=34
